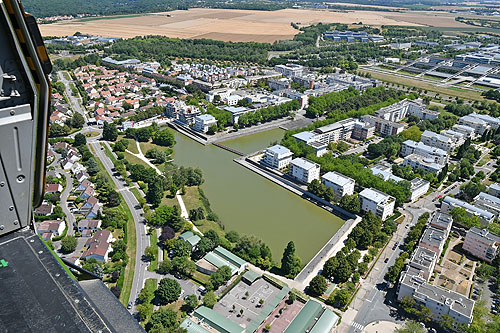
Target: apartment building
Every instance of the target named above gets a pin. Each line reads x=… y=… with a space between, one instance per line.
x=420 y=162
x=341 y=130
x=280 y=84
x=351 y=80
x=306 y=137
x=433 y=240
x=304 y=170
x=223 y=93
x=290 y=70
x=340 y=184
x=494 y=190
x=437 y=155
x=488 y=202
x=449 y=203
x=424 y=260
x=438 y=141
x=418 y=188
x=380 y=203
x=203 y=122
x=457 y=137
x=481 y=244
x=468 y=131
x=277 y=157
x=363 y=131
x=439 y=300
x=383 y=126
x=441 y=221
x=479 y=125
x=181 y=112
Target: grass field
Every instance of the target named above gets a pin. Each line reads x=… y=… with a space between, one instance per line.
x=452 y=91
x=134 y=160
x=153 y=266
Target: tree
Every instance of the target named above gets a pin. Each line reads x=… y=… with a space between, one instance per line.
x=92 y=167
x=290 y=263
x=342 y=297
x=209 y=300
x=145 y=310
x=183 y=266
x=56 y=130
x=318 y=285
x=447 y=322
x=165 y=266
x=165 y=318
x=182 y=248
x=151 y=252
x=155 y=193
x=68 y=244
x=411 y=327
x=80 y=140
x=212 y=129
x=115 y=290
x=191 y=302
x=143 y=134
x=350 y=203
x=168 y=291
x=164 y=138
x=114 y=199
x=109 y=132
x=77 y=121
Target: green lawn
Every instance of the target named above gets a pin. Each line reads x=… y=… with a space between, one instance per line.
x=154 y=243
x=131 y=240
x=484 y=160
x=135 y=160
x=136 y=193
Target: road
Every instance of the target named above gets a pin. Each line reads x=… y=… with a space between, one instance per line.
x=372 y=303
x=140 y=223
x=73 y=101
x=70 y=218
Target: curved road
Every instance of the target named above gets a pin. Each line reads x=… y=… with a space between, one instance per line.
x=70 y=218
x=140 y=223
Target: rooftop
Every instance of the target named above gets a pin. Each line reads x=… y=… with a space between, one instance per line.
x=424 y=147
x=441 y=220
x=486 y=236
x=374 y=195
x=304 y=164
x=304 y=136
x=437 y=136
x=205 y=117
x=279 y=150
x=304 y=318
x=478 y=211
x=217 y=321
x=434 y=237
x=337 y=178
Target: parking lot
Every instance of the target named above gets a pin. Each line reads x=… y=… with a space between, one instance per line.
x=237 y=300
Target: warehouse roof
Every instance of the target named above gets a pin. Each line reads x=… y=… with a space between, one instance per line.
x=216 y=320
x=304 y=318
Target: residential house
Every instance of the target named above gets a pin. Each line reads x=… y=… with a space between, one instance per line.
x=44 y=209
x=50 y=229
x=98 y=246
x=53 y=188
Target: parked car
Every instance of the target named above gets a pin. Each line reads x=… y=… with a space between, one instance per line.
x=386 y=260
x=129 y=306
x=202 y=290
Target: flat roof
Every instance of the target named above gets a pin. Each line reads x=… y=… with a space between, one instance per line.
x=495 y=186
x=374 y=195
x=217 y=321
x=423 y=146
x=278 y=149
x=304 y=318
x=303 y=163
x=205 y=117
x=304 y=136
x=439 y=137
x=234 y=109
x=386 y=175
x=337 y=178
x=483 y=213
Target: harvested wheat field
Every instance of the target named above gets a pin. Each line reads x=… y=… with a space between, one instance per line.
x=231 y=25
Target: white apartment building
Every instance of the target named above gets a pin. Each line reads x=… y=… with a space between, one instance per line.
x=279 y=84
x=424 y=260
x=340 y=184
x=341 y=130
x=439 y=300
x=457 y=137
x=488 y=202
x=277 y=157
x=479 y=125
x=418 y=188
x=468 y=131
x=380 y=203
x=306 y=137
x=449 y=203
x=180 y=111
x=203 y=122
x=481 y=244
x=442 y=221
x=433 y=240
x=438 y=155
x=222 y=92
x=494 y=190
x=304 y=170
x=290 y=70
x=420 y=162
x=438 y=141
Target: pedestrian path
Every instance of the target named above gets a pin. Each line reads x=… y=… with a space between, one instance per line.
x=357 y=326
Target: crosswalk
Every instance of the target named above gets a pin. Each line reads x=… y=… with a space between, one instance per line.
x=357 y=326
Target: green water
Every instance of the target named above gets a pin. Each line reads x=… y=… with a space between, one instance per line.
x=250 y=204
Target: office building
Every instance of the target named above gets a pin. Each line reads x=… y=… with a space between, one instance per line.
x=290 y=70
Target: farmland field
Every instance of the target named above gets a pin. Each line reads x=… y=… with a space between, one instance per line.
x=238 y=25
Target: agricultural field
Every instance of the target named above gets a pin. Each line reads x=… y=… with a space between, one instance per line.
x=239 y=25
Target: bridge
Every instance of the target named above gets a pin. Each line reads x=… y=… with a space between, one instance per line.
x=234 y=151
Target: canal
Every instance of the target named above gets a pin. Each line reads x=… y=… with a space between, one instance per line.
x=251 y=204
